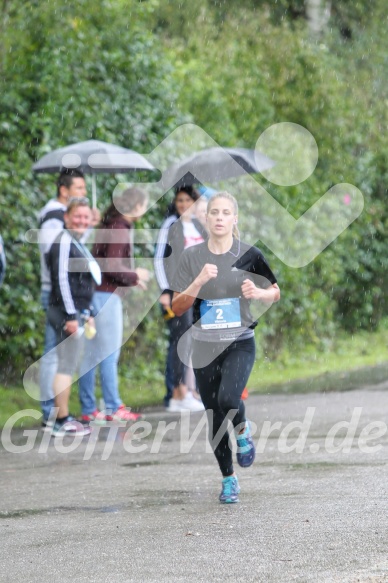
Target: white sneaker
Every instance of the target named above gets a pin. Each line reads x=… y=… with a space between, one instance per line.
x=198 y=405
x=189 y=403
x=174 y=406
x=186 y=404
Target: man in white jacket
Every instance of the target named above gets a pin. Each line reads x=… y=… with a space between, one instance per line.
x=71 y=183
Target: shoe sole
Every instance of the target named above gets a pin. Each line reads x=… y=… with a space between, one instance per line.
x=185 y=409
x=231 y=500
x=240 y=455
x=243 y=464
x=70 y=433
x=124 y=421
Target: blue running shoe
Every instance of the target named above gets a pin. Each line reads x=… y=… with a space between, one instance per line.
x=245 y=447
x=230 y=490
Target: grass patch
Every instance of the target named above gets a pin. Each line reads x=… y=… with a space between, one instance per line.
x=350 y=362
x=135 y=395
x=340 y=365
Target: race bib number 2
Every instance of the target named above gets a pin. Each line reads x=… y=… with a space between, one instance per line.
x=218 y=314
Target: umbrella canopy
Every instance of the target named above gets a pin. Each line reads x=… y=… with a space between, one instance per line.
x=92 y=157
x=215 y=164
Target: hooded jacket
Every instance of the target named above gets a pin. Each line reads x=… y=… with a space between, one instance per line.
x=51 y=223
x=169 y=247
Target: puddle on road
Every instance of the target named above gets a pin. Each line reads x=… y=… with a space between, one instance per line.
x=142 y=500
x=110 y=509
x=25 y=512
x=101 y=434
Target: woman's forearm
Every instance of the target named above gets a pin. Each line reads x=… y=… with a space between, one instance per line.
x=183 y=301
x=272 y=294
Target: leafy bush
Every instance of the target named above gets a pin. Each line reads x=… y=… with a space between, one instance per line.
x=130 y=72
x=77 y=72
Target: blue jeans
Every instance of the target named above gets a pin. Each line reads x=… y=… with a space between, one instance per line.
x=103 y=350
x=48 y=362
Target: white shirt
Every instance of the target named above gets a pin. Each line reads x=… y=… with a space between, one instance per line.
x=191 y=235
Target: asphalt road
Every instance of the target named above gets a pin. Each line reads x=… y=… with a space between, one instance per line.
x=124 y=506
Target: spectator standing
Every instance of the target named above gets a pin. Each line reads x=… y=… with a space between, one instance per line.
x=74 y=273
x=201 y=210
x=178 y=232
x=71 y=183
x=113 y=249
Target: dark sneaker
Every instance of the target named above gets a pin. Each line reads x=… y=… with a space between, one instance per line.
x=245 y=447
x=47 y=424
x=69 y=427
x=230 y=490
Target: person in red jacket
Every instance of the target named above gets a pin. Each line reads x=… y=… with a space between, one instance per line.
x=113 y=249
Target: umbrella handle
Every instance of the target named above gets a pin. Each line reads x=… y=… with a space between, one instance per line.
x=94 y=192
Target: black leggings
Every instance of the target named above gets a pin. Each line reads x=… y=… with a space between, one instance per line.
x=221 y=384
x=176 y=369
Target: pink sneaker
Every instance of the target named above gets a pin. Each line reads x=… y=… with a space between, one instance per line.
x=123 y=415
x=97 y=417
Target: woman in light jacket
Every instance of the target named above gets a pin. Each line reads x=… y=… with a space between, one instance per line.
x=113 y=250
x=179 y=231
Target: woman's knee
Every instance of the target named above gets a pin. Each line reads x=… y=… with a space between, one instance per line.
x=228 y=402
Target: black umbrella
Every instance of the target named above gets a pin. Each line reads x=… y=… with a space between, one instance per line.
x=92 y=157
x=215 y=164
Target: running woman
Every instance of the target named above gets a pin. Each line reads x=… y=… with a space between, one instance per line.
x=220 y=278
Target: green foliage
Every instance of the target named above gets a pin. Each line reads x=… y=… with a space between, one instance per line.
x=143 y=361
x=129 y=72
x=259 y=65
x=297 y=370
x=69 y=73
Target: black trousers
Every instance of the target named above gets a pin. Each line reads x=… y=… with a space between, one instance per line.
x=175 y=369
x=220 y=385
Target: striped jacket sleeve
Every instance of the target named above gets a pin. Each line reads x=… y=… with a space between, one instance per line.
x=63 y=274
x=161 y=245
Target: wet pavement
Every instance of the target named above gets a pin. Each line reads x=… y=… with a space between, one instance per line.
x=140 y=503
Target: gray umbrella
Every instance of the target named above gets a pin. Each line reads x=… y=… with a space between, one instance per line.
x=92 y=157
x=215 y=164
